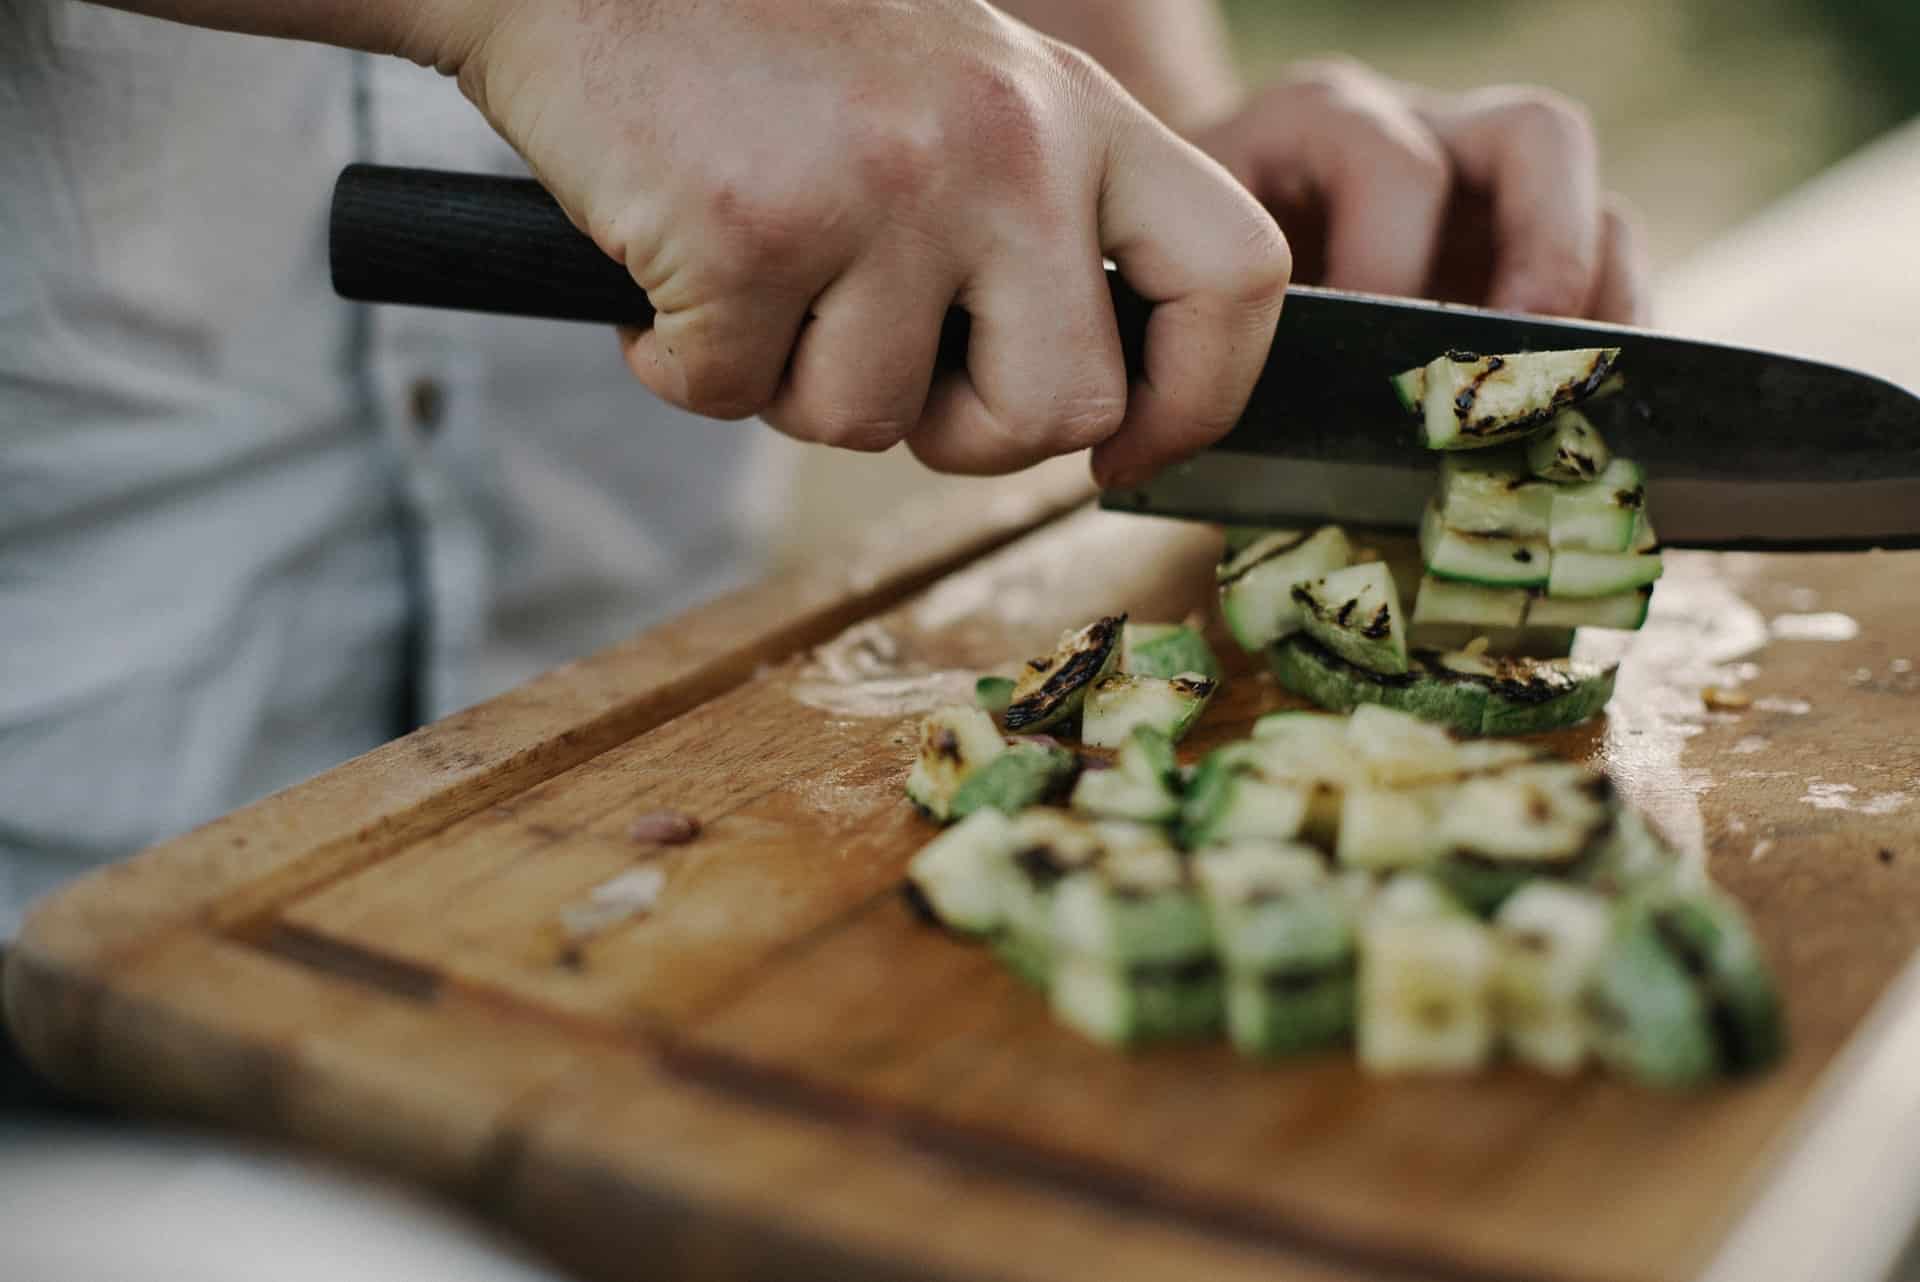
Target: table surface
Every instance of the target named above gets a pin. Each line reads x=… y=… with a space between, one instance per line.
x=1770 y=284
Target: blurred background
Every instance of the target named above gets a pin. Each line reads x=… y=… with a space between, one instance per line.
x=1708 y=110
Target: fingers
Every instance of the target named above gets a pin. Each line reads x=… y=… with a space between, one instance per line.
x=722 y=358
x=1535 y=153
x=1336 y=153
x=1621 y=295
x=1044 y=371
x=863 y=366
x=1216 y=267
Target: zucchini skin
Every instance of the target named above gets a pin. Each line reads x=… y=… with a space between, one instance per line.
x=1468 y=705
x=1026 y=774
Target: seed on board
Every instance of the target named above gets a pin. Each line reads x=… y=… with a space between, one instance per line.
x=1724 y=699
x=664 y=828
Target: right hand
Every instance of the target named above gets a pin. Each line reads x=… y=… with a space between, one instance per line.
x=804 y=189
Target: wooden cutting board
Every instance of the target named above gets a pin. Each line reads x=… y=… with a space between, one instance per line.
x=776 y=1072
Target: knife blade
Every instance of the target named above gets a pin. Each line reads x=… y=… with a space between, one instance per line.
x=1743 y=448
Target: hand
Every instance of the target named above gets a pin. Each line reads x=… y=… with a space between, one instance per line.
x=1491 y=197
x=803 y=191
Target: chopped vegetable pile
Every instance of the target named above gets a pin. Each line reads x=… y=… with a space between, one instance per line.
x=1368 y=879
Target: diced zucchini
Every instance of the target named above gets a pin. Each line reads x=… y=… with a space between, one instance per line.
x=1356 y=614
x=1489 y=560
x=1142 y=784
x=1026 y=774
x=1048 y=847
x=1710 y=936
x=1538 y=814
x=1136 y=906
x=1446 y=601
x=1568 y=451
x=1227 y=800
x=1626 y=610
x=1550 y=939
x=1634 y=858
x=1396 y=749
x=1166 y=650
x=1602 y=514
x=1472 y=401
x=1580 y=575
x=1256 y=583
x=1124 y=1006
x=955 y=741
x=1391 y=828
x=1425 y=994
x=1493 y=492
x=1647 y=1016
x=1118 y=703
x=958 y=874
x=1051 y=689
x=1285 y=932
x=1410 y=388
x=993 y=694
x=1412 y=896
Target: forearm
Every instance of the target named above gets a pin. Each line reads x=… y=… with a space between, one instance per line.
x=1170 y=54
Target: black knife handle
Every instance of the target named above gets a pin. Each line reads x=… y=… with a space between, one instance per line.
x=484 y=243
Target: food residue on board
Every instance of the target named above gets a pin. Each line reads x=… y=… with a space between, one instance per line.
x=631 y=894
x=1826 y=626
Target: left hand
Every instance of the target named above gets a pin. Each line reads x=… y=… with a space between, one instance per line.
x=1491 y=197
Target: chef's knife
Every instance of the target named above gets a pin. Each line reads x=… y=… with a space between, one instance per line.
x=1744 y=448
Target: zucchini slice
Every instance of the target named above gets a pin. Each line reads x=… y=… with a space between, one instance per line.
x=1471 y=694
x=1425 y=994
x=1626 y=610
x=1526 y=696
x=1644 y=539
x=1396 y=749
x=1493 y=492
x=955 y=741
x=1489 y=560
x=1447 y=601
x=1568 y=451
x=1117 y=703
x=1550 y=939
x=1473 y=401
x=1355 y=613
x=1142 y=785
x=1166 y=650
x=1256 y=583
x=1603 y=514
x=956 y=874
x=1051 y=689
x=1026 y=774
x=1582 y=575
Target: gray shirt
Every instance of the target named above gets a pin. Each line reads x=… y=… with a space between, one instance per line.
x=248 y=530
